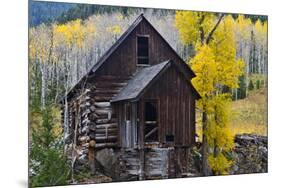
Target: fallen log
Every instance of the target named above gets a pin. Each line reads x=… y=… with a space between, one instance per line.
x=103 y=145
x=109 y=130
x=104 y=121
x=103 y=111
x=102 y=104
x=105 y=138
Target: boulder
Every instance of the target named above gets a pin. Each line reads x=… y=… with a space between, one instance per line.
x=107 y=160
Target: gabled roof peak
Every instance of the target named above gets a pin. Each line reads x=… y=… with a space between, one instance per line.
x=109 y=52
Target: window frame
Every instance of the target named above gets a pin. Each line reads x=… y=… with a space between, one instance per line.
x=148 y=55
x=157 y=105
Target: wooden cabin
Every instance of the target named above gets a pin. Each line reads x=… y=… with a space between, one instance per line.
x=137 y=100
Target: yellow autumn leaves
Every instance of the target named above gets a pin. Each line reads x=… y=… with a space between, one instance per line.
x=189 y=24
x=115 y=29
x=45 y=38
x=216 y=59
x=204 y=65
x=74 y=33
x=58 y=37
x=217 y=68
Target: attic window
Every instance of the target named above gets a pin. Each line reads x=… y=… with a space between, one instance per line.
x=142 y=50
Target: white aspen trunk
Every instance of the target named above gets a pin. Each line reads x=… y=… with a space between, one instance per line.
x=262 y=60
x=66 y=113
x=66 y=127
x=244 y=48
x=43 y=85
x=57 y=81
x=260 y=55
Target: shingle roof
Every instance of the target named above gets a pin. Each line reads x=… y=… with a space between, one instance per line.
x=142 y=80
x=139 y=82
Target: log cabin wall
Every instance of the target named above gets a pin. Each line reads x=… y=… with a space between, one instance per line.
x=92 y=121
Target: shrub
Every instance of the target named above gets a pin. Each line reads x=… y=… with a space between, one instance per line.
x=48 y=164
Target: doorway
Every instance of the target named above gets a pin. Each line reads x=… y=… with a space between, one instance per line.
x=151 y=121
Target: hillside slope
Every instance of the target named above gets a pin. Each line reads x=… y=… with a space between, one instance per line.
x=249 y=115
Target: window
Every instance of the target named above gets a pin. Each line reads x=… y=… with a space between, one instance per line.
x=142 y=50
x=151 y=127
x=170 y=138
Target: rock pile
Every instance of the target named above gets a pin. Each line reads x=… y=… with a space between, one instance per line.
x=250 y=154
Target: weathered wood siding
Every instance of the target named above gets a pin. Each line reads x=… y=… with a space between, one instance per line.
x=176 y=111
x=158 y=163
x=124 y=60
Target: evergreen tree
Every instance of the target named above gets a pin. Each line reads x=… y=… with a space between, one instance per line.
x=242 y=87
x=48 y=164
x=251 y=86
x=258 y=84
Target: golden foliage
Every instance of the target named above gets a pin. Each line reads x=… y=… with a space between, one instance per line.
x=243 y=27
x=260 y=30
x=218 y=130
x=204 y=65
x=216 y=66
x=189 y=22
x=39 y=43
x=115 y=29
x=72 y=33
x=219 y=164
x=50 y=42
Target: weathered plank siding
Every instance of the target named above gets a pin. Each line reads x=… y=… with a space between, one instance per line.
x=124 y=60
x=176 y=108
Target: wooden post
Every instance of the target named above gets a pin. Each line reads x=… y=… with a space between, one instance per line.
x=141 y=140
x=91 y=155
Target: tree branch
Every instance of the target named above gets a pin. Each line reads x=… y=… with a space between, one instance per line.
x=209 y=37
x=202 y=33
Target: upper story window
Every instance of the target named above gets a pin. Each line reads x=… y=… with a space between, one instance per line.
x=142 y=50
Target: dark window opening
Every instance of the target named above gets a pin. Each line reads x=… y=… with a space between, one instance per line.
x=151 y=124
x=142 y=50
x=170 y=138
x=128 y=111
